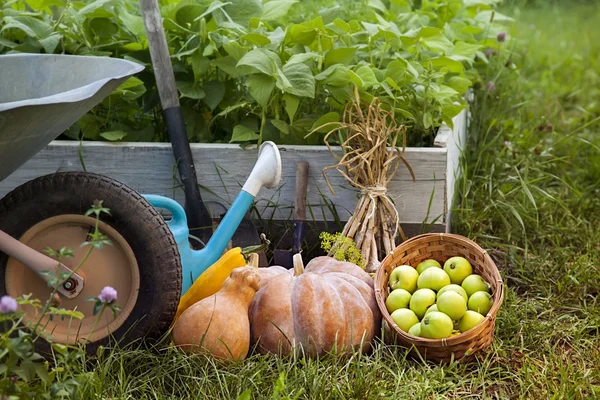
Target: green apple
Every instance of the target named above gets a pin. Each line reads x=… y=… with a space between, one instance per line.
x=470 y=320
x=404 y=318
x=481 y=302
x=433 y=278
x=415 y=330
x=454 y=288
x=436 y=325
x=432 y=308
x=404 y=277
x=475 y=283
x=452 y=304
x=421 y=300
x=458 y=268
x=423 y=265
x=399 y=298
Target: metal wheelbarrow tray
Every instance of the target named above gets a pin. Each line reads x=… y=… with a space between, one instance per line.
x=41 y=95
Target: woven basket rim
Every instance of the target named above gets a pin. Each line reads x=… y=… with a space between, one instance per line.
x=463 y=337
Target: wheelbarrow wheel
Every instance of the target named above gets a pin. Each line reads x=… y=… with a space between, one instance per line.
x=141 y=262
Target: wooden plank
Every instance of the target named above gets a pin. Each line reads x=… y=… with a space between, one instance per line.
x=222 y=170
x=453 y=140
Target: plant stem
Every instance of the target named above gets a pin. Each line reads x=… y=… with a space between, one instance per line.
x=263 y=122
x=96 y=322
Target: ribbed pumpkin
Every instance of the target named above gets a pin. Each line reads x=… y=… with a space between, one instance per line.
x=329 y=304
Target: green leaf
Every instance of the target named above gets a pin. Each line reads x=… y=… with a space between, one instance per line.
x=451 y=110
x=260 y=60
x=355 y=79
x=331 y=119
x=367 y=75
x=243 y=134
x=442 y=92
x=336 y=75
x=276 y=9
x=89 y=127
x=486 y=16
x=396 y=70
x=103 y=27
x=445 y=62
x=300 y=78
x=302 y=58
x=32 y=27
x=228 y=64
x=256 y=38
x=291 y=105
x=260 y=88
x=235 y=49
x=237 y=11
x=372 y=29
x=42 y=372
x=341 y=55
x=463 y=51
x=343 y=25
x=113 y=135
x=427 y=120
x=438 y=43
x=281 y=125
x=66 y=313
x=90 y=8
x=132 y=23
x=215 y=92
x=378 y=5
x=51 y=42
x=200 y=65
x=245 y=395
x=460 y=84
x=190 y=90
x=302 y=35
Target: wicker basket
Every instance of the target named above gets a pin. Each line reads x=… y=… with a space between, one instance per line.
x=441 y=246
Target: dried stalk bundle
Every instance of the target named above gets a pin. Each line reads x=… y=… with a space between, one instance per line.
x=370 y=159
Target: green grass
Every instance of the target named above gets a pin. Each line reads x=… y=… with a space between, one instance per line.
x=530 y=195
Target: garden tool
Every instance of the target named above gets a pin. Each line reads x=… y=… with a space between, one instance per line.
x=266 y=172
x=285 y=257
x=198 y=216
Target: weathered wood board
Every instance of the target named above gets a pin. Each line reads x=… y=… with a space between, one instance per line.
x=222 y=169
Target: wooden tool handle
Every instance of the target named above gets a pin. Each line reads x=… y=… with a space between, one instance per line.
x=301 y=188
x=159 y=52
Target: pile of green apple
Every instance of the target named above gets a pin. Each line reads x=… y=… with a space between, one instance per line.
x=434 y=302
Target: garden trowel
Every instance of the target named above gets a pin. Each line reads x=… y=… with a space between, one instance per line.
x=285 y=257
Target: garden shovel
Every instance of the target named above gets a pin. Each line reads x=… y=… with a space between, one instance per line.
x=285 y=257
x=198 y=216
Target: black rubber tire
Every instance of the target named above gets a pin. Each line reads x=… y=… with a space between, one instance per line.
x=133 y=217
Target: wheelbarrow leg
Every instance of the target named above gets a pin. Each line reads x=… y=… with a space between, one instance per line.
x=39 y=263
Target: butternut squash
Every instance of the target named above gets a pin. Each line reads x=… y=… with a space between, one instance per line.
x=218 y=324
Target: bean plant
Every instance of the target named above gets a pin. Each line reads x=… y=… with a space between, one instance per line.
x=249 y=71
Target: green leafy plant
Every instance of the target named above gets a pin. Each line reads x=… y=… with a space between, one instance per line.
x=249 y=70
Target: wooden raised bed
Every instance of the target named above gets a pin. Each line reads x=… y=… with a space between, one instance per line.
x=222 y=169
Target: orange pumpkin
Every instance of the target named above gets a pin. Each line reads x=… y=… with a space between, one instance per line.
x=329 y=304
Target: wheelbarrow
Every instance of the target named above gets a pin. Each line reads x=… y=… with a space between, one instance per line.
x=149 y=261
